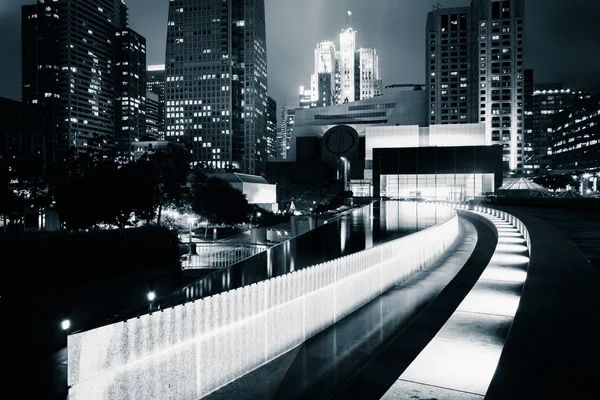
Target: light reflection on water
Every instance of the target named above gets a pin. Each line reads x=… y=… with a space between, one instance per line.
x=362 y=229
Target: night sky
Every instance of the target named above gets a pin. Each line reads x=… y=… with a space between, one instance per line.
x=561 y=39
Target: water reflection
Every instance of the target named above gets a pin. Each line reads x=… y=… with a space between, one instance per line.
x=362 y=229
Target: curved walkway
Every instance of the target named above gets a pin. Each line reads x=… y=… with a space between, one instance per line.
x=553 y=350
x=460 y=361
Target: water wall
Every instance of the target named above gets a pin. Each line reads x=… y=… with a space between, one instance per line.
x=188 y=351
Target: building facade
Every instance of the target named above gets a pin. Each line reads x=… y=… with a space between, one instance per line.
x=475 y=71
x=130 y=91
x=216 y=81
x=342 y=75
x=449 y=78
x=22 y=131
x=155 y=83
x=499 y=27
x=153 y=117
x=70 y=61
x=271 y=136
x=576 y=137
x=547 y=100
x=286 y=131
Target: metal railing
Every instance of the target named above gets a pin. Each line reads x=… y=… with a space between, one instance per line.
x=217 y=255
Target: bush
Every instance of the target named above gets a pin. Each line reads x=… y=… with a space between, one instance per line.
x=61 y=260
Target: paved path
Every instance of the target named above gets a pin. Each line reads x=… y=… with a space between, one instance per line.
x=460 y=361
x=553 y=349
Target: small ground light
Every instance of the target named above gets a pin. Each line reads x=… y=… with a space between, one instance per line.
x=258 y=214
x=151 y=296
x=65 y=324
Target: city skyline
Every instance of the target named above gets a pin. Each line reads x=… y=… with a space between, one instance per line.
x=568 y=27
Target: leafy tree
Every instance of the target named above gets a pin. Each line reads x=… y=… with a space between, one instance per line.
x=555 y=181
x=21 y=185
x=217 y=201
x=171 y=168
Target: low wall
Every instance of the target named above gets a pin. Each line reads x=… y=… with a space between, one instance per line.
x=188 y=351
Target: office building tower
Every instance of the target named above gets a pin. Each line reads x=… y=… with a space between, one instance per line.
x=528 y=118
x=347 y=65
x=475 y=71
x=153 y=117
x=449 y=54
x=130 y=91
x=305 y=98
x=216 y=81
x=22 y=133
x=547 y=100
x=343 y=75
x=499 y=32
x=286 y=130
x=155 y=83
x=576 y=137
x=41 y=72
x=74 y=47
x=271 y=136
x=368 y=74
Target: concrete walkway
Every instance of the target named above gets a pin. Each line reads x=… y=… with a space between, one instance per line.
x=553 y=349
x=460 y=361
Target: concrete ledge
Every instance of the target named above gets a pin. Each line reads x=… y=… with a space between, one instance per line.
x=553 y=349
x=191 y=350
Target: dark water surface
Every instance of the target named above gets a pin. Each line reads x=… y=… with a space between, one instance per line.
x=361 y=229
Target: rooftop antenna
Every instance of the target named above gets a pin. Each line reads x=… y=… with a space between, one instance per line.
x=437 y=6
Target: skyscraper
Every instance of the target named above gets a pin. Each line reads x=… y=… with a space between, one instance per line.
x=447 y=61
x=216 y=81
x=155 y=83
x=70 y=59
x=130 y=91
x=153 y=117
x=347 y=64
x=286 y=130
x=547 y=100
x=498 y=27
x=475 y=71
x=343 y=75
x=271 y=128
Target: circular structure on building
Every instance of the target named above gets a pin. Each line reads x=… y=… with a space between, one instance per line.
x=340 y=140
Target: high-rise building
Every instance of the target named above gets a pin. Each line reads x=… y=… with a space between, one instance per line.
x=41 y=72
x=449 y=80
x=475 y=71
x=70 y=61
x=305 y=98
x=347 y=64
x=576 y=137
x=22 y=132
x=216 y=81
x=498 y=27
x=130 y=91
x=155 y=83
x=547 y=100
x=271 y=136
x=286 y=130
x=343 y=75
x=368 y=74
x=153 y=117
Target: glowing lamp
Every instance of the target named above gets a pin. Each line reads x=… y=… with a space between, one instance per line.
x=65 y=324
x=151 y=296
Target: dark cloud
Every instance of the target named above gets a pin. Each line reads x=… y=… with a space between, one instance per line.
x=560 y=39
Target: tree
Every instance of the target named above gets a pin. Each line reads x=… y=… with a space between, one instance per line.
x=171 y=168
x=21 y=185
x=218 y=202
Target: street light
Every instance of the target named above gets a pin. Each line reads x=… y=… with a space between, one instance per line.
x=65 y=324
x=151 y=295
